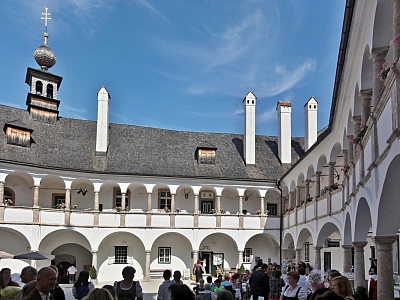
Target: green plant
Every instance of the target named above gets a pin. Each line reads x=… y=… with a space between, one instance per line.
x=118 y=208
x=127 y=208
x=361 y=293
x=93 y=272
x=242 y=269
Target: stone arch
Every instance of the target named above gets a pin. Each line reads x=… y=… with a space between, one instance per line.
x=388 y=221
x=51 y=187
x=138 y=196
x=326 y=230
x=336 y=149
x=366 y=70
x=158 y=193
x=21 y=183
x=300 y=179
x=106 y=254
x=220 y=242
x=357 y=101
x=304 y=235
x=310 y=172
x=15 y=242
x=288 y=240
x=185 y=198
x=350 y=125
x=292 y=186
x=251 y=200
x=321 y=162
x=83 y=201
x=363 y=221
x=347 y=240
x=265 y=246
x=230 y=199
x=383 y=24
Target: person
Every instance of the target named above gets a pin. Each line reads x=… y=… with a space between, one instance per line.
x=209 y=280
x=284 y=277
x=246 y=275
x=303 y=278
x=128 y=289
x=203 y=265
x=207 y=294
x=285 y=262
x=332 y=274
x=275 y=284
x=46 y=282
x=177 y=278
x=57 y=293
x=259 y=283
x=28 y=274
x=111 y=289
x=374 y=269
x=217 y=286
x=180 y=292
x=341 y=286
x=198 y=270
x=270 y=270
x=315 y=280
x=82 y=286
x=293 y=290
x=324 y=294
x=99 y=294
x=201 y=285
x=71 y=271
x=163 y=289
x=225 y=295
x=5 y=279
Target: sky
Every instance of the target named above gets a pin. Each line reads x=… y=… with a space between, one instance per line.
x=180 y=65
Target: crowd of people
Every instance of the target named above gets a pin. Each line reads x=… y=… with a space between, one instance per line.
x=264 y=281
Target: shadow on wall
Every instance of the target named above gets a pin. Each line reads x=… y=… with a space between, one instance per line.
x=273 y=145
x=298 y=148
x=239 y=146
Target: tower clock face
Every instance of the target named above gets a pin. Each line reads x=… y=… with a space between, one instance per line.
x=207 y=195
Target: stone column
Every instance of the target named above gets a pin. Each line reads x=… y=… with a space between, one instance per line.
x=67 y=206
x=331 y=173
x=357 y=123
x=318 y=183
x=346 y=258
x=96 y=209
x=362 y=163
x=1 y=200
x=196 y=203
x=262 y=205
x=350 y=147
x=240 y=258
x=286 y=203
x=123 y=201
x=284 y=251
x=385 y=266
x=366 y=96
x=172 y=202
x=36 y=203
x=298 y=190
x=317 y=256
x=307 y=192
x=240 y=205
x=290 y=200
x=195 y=256
x=345 y=159
x=359 y=266
x=148 y=202
x=94 y=259
x=378 y=59
x=218 y=203
x=147 y=270
x=298 y=256
x=36 y=196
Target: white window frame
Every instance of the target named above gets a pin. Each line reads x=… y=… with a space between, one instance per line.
x=247 y=255
x=164 y=255
x=306 y=252
x=113 y=259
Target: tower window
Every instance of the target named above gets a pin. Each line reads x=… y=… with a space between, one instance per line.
x=39 y=87
x=310 y=106
x=206 y=156
x=315 y=106
x=49 y=92
x=252 y=102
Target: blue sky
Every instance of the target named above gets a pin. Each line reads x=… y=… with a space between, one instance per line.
x=181 y=65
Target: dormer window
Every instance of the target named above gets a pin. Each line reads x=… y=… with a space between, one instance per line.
x=39 y=87
x=18 y=134
x=206 y=156
x=49 y=92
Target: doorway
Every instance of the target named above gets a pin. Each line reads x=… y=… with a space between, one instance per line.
x=62 y=271
x=217 y=264
x=206 y=206
x=327 y=261
x=208 y=257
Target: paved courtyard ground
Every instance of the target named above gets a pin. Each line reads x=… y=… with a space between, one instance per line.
x=150 y=288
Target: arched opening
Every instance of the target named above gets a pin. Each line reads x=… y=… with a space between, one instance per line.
x=49 y=92
x=39 y=87
x=260 y=246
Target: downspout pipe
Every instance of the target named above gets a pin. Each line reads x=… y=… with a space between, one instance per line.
x=278 y=184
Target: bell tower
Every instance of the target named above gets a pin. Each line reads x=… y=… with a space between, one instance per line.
x=42 y=99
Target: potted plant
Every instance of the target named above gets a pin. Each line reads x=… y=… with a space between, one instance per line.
x=127 y=209
x=118 y=208
x=222 y=211
x=167 y=209
x=72 y=207
x=60 y=206
x=7 y=202
x=213 y=211
x=93 y=274
x=177 y=210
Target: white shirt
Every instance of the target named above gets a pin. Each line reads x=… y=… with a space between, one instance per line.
x=208 y=292
x=72 y=270
x=163 y=290
x=302 y=281
x=284 y=263
x=302 y=294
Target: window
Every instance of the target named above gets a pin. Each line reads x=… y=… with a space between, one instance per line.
x=207 y=201
x=18 y=136
x=164 y=255
x=39 y=88
x=272 y=209
x=206 y=156
x=120 y=254
x=118 y=197
x=306 y=251
x=58 y=199
x=164 y=197
x=9 y=195
x=49 y=92
x=247 y=255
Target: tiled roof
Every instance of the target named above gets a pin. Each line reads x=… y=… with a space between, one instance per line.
x=70 y=144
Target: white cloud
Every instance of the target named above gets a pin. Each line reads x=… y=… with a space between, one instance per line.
x=150 y=7
x=267 y=116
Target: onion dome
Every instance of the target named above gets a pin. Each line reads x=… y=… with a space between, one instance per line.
x=44 y=56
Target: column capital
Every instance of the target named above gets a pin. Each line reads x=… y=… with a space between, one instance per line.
x=318 y=172
x=379 y=53
x=358 y=245
x=318 y=248
x=356 y=120
x=308 y=180
x=240 y=251
x=148 y=251
x=148 y=193
x=196 y=251
x=366 y=93
x=385 y=240
x=94 y=251
x=347 y=247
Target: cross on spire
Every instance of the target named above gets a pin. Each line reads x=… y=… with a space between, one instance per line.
x=46 y=14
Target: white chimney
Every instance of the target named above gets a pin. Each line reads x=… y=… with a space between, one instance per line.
x=103 y=98
x=310 y=117
x=249 y=106
x=284 y=131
